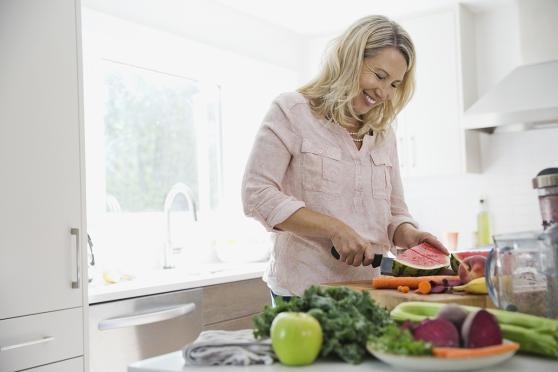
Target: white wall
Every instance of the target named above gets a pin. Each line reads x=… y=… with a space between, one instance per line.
x=313 y=54
x=511 y=160
x=539 y=27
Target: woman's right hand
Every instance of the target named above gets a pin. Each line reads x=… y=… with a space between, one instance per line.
x=352 y=248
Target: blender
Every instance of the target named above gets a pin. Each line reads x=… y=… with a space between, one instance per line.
x=522 y=269
x=546 y=183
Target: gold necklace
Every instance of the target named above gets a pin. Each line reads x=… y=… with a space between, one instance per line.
x=352 y=134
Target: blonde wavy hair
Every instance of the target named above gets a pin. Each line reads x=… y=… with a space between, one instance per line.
x=331 y=93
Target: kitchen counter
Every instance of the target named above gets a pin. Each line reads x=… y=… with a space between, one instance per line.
x=160 y=281
x=390 y=298
x=174 y=362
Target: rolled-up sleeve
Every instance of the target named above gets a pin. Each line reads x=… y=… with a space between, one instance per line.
x=263 y=196
x=399 y=211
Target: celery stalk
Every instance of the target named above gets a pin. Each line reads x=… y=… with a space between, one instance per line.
x=531 y=341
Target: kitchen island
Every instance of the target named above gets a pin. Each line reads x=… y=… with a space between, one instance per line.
x=174 y=362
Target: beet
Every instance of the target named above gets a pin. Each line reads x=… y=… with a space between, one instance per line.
x=407 y=324
x=481 y=329
x=439 y=332
x=454 y=313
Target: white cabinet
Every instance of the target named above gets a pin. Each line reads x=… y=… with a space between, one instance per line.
x=70 y=365
x=42 y=224
x=430 y=137
x=35 y=340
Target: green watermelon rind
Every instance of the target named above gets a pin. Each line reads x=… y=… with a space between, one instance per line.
x=399 y=268
x=454 y=262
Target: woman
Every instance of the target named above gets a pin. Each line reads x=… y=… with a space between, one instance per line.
x=324 y=170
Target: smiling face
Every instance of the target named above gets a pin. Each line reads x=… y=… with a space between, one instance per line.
x=380 y=77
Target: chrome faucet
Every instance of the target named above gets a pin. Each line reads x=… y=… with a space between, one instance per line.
x=177 y=189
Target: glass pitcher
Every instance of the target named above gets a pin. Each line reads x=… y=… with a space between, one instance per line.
x=521 y=272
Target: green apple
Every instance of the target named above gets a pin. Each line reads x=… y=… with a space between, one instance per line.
x=296 y=338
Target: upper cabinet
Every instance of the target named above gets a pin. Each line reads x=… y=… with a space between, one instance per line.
x=431 y=140
x=42 y=227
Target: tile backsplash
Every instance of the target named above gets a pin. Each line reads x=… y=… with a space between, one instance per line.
x=510 y=161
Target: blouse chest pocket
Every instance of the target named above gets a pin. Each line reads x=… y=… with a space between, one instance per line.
x=381 y=175
x=322 y=168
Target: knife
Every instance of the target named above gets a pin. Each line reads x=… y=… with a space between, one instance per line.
x=385 y=263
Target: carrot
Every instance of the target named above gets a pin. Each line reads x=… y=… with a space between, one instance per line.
x=392 y=282
x=403 y=288
x=424 y=287
x=456 y=352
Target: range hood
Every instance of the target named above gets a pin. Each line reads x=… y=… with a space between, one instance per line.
x=527 y=96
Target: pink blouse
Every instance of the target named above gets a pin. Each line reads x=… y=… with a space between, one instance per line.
x=298 y=161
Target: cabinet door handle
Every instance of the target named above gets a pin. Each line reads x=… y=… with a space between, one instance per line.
x=25 y=344
x=75 y=231
x=146 y=318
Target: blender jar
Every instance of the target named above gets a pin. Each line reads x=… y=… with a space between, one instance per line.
x=521 y=272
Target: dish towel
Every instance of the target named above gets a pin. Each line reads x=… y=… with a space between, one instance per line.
x=230 y=348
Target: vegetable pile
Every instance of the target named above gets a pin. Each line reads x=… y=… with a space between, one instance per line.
x=348 y=318
x=534 y=334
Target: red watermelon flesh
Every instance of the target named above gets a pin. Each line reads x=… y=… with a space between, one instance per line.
x=419 y=261
x=428 y=251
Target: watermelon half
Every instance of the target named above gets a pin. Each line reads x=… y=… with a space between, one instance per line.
x=457 y=257
x=420 y=261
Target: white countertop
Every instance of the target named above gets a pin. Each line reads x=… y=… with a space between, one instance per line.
x=160 y=281
x=174 y=362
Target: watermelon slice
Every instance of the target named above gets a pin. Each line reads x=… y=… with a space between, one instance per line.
x=420 y=261
x=457 y=257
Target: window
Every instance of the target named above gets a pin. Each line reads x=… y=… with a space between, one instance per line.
x=159 y=130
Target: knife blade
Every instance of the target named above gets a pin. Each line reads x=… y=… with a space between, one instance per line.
x=385 y=263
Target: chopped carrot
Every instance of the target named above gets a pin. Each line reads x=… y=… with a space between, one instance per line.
x=424 y=287
x=392 y=282
x=403 y=288
x=456 y=352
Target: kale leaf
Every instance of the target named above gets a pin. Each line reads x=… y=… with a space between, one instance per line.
x=395 y=340
x=348 y=318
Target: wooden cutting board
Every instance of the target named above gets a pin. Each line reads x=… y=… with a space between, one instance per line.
x=391 y=297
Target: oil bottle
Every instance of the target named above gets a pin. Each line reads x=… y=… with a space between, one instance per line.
x=484 y=230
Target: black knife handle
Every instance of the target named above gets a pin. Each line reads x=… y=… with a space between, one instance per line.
x=377 y=261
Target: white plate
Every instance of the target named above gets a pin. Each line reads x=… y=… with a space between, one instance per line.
x=428 y=363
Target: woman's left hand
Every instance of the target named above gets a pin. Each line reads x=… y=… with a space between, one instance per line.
x=407 y=236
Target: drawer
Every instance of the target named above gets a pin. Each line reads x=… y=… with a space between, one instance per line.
x=234 y=300
x=34 y=340
x=232 y=325
x=70 y=365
